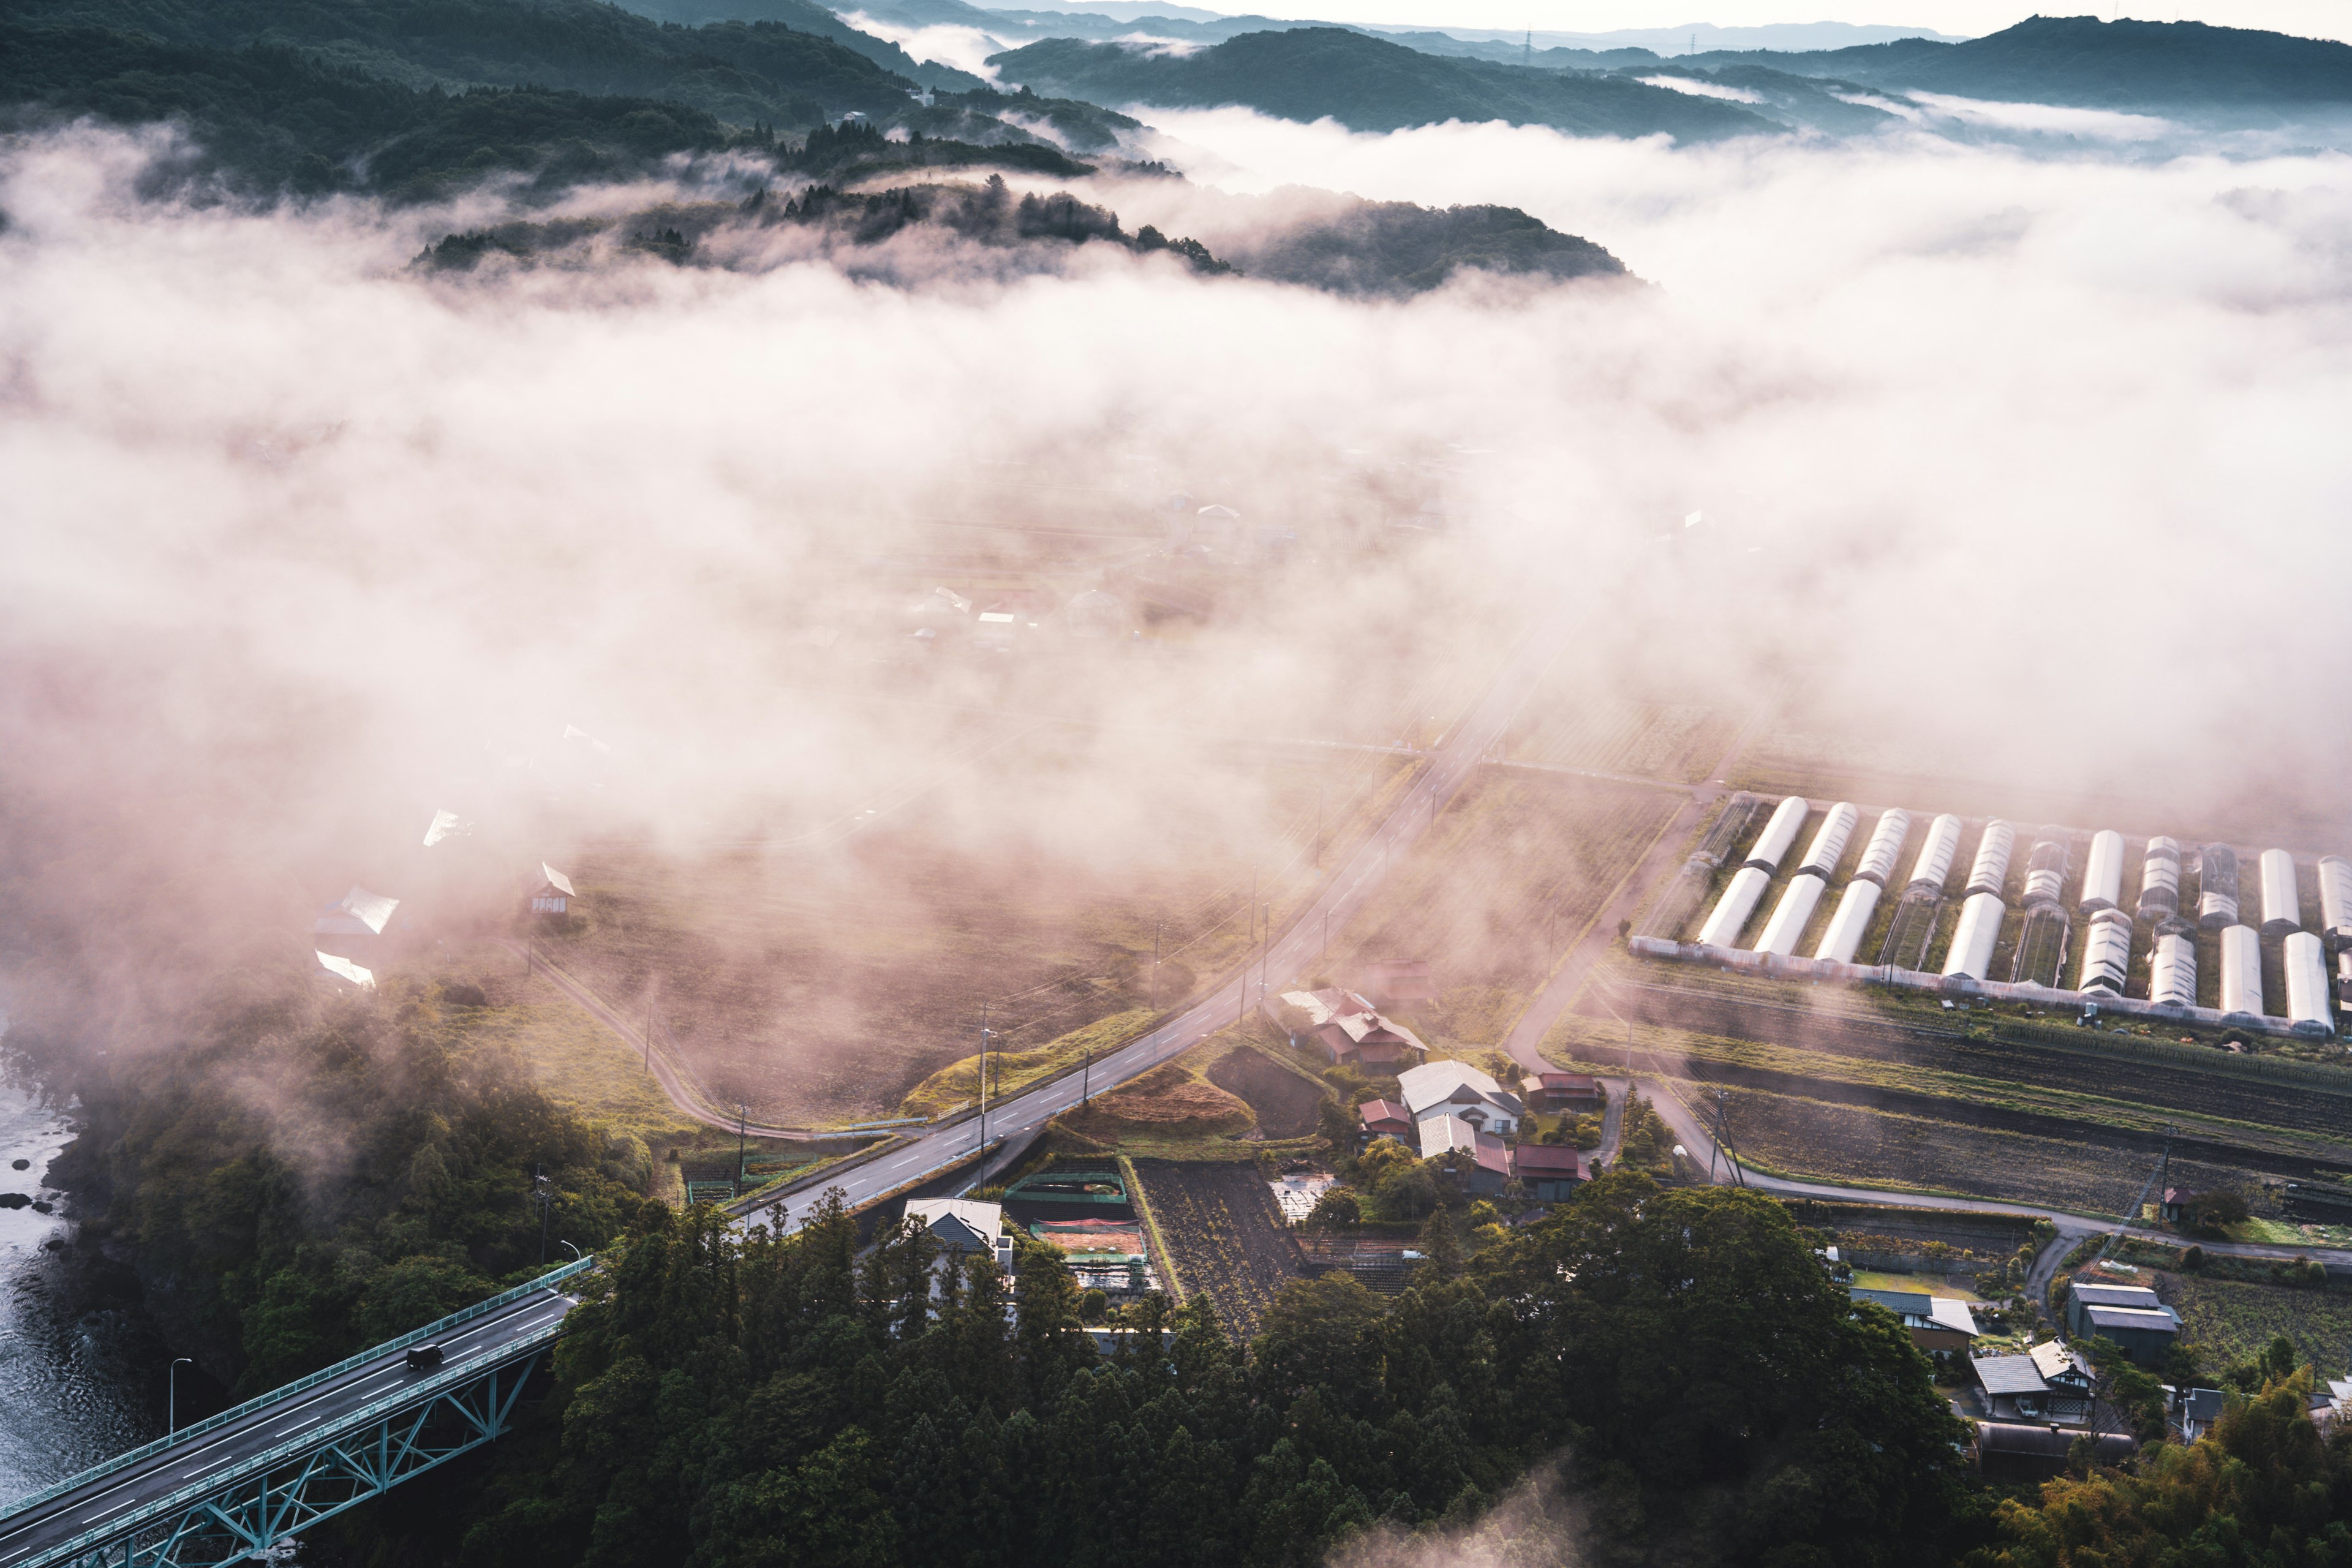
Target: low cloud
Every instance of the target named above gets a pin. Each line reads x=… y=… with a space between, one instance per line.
x=1698 y=89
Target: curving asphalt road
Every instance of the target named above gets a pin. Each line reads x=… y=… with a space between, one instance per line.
x=26 y=1534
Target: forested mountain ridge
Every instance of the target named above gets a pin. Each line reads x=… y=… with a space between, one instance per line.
x=2151 y=67
x=1369 y=84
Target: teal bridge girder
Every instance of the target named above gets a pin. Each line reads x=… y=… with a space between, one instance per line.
x=237 y=1486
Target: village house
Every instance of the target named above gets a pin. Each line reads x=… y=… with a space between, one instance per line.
x=2048 y=1384
x=1936 y=1322
x=1549 y=1171
x=2130 y=1315
x=2194 y=1411
x=961 y=1227
x=1386 y=1118
x=1352 y=1032
x=1395 y=981
x=1459 y=1090
x=1571 y=1091
x=1483 y=1159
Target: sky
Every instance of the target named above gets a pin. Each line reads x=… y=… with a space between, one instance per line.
x=2309 y=18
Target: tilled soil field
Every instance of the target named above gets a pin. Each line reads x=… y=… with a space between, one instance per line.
x=1283 y=1103
x=2088 y=1168
x=2216 y=1094
x=1226 y=1238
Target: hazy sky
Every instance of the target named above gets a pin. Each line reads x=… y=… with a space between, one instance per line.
x=2314 y=18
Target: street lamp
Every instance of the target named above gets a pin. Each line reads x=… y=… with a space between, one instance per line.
x=172 y=1393
x=575 y=1251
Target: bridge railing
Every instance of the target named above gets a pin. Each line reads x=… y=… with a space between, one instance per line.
x=414 y=1336
x=422 y=1391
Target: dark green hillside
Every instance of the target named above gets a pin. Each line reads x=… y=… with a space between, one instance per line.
x=1397 y=248
x=1308 y=73
x=805 y=16
x=2182 y=67
x=740 y=71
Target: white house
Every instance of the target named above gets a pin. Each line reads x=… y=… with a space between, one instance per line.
x=554 y=894
x=961 y=1225
x=1458 y=1088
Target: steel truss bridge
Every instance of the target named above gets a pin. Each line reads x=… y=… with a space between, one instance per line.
x=237 y=1486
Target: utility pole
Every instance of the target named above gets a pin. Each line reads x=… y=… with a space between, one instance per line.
x=653 y=987
x=172 y=1393
x=983 y=1075
x=544 y=1190
x=743 y=1117
x=1157 y=927
x=2154 y=1184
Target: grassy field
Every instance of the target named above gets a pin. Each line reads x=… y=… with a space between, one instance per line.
x=1926 y=1284
x=1009 y=1072
x=825 y=985
x=2232 y=1320
x=1513 y=872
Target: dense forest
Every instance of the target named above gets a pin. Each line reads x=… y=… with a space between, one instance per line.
x=1369 y=84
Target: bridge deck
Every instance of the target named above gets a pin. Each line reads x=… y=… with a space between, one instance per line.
x=224 y=1452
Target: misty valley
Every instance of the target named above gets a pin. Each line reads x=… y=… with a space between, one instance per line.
x=937 y=785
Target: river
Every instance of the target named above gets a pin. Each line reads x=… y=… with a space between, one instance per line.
x=82 y=1366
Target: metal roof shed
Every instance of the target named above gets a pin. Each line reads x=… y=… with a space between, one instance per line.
x=2241 y=971
x=1935 y=862
x=1973 y=941
x=2159 y=878
x=2307 y=985
x=1887 y=843
x=2103 y=873
x=1779 y=835
x=1739 y=899
x=1828 y=847
x=1790 y=916
x=1991 y=872
x=1843 y=939
x=2282 y=905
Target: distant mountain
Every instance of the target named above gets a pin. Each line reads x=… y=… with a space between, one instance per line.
x=1369 y=84
x=1696 y=38
x=2177 y=68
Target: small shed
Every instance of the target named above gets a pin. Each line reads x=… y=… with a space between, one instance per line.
x=2142 y=1334
x=1552 y=1092
x=553 y=896
x=1386 y=1118
x=1549 y=1171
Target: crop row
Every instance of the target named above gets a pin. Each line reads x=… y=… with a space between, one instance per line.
x=1220 y=1227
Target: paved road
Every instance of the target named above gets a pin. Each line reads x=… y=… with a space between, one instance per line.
x=317 y=1408
x=1293 y=952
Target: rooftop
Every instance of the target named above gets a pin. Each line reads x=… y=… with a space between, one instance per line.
x=2008 y=1374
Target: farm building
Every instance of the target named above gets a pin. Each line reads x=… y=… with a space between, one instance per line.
x=1878 y=856
x=1459 y=1090
x=2013 y=1451
x=1989 y=872
x=2130 y=1315
x=2048 y=1382
x=2194 y=1411
x=2159 y=878
x=1790 y=915
x=1779 y=835
x=2106 y=951
x=2335 y=897
x=1549 y=1171
x=554 y=894
x=2217 y=887
x=1352 y=1032
x=1828 y=848
x=357 y=913
x=1394 y=981
x=1933 y=865
x=1732 y=912
x=1385 y=1119
x=2241 y=971
x=2103 y=873
x=959 y=1226
x=1843 y=939
x=1483 y=1159
x=2282 y=905
x=2306 y=985
x=1562 y=1092
x=2172 y=973
x=1973 y=939
x=1936 y=1322
x=2045 y=874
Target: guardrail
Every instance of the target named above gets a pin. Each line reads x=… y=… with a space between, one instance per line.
x=211 y=1423
x=425 y=1389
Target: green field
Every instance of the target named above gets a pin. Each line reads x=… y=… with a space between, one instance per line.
x=2231 y=1321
